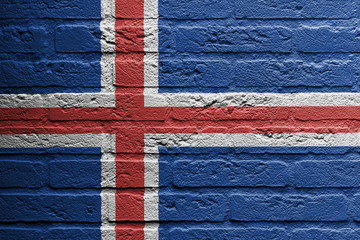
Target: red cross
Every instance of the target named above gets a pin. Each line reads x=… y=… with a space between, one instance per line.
x=130 y=120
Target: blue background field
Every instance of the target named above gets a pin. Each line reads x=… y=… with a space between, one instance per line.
x=278 y=46
x=259 y=192
x=50 y=46
x=50 y=193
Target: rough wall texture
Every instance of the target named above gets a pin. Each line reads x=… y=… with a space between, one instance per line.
x=179 y=119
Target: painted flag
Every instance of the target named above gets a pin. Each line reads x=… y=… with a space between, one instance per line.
x=168 y=119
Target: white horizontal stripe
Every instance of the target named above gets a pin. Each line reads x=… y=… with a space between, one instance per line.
x=57 y=100
x=152 y=141
x=105 y=141
x=154 y=99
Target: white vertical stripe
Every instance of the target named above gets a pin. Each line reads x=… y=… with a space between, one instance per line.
x=151 y=196
x=108 y=166
x=108 y=175
x=107 y=27
x=108 y=214
x=151 y=163
x=151 y=231
x=108 y=232
x=151 y=43
x=151 y=204
x=107 y=229
x=111 y=205
x=151 y=9
x=108 y=170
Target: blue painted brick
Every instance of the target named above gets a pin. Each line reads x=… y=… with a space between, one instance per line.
x=82 y=233
x=356 y=203
x=293 y=74
x=21 y=233
x=235 y=173
x=194 y=9
x=66 y=9
x=77 y=174
x=74 y=233
x=327 y=174
x=195 y=73
x=192 y=207
x=327 y=39
x=233 y=39
x=288 y=208
x=67 y=76
x=289 y=9
x=24 y=39
x=228 y=233
x=78 y=38
x=328 y=234
x=166 y=39
x=50 y=208
x=22 y=174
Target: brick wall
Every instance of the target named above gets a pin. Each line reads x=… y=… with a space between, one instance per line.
x=179 y=119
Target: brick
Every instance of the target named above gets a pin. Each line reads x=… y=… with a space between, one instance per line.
x=195 y=73
x=327 y=39
x=22 y=174
x=24 y=39
x=233 y=39
x=129 y=38
x=129 y=73
x=75 y=174
x=131 y=206
x=129 y=9
x=300 y=9
x=50 y=208
x=77 y=38
x=51 y=74
x=229 y=113
x=129 y=173
x=288 y=208
x=329 y=234
x=192 y=207
x=81 y=233
x=319 y=174
x=227 y=233
x=193 y=9
x=21 y=233
x=235 y=173
x=293 y=74
x=356 y=203
x=130 y=233
x=65 y=9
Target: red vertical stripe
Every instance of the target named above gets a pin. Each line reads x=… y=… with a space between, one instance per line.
x=129 y=70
